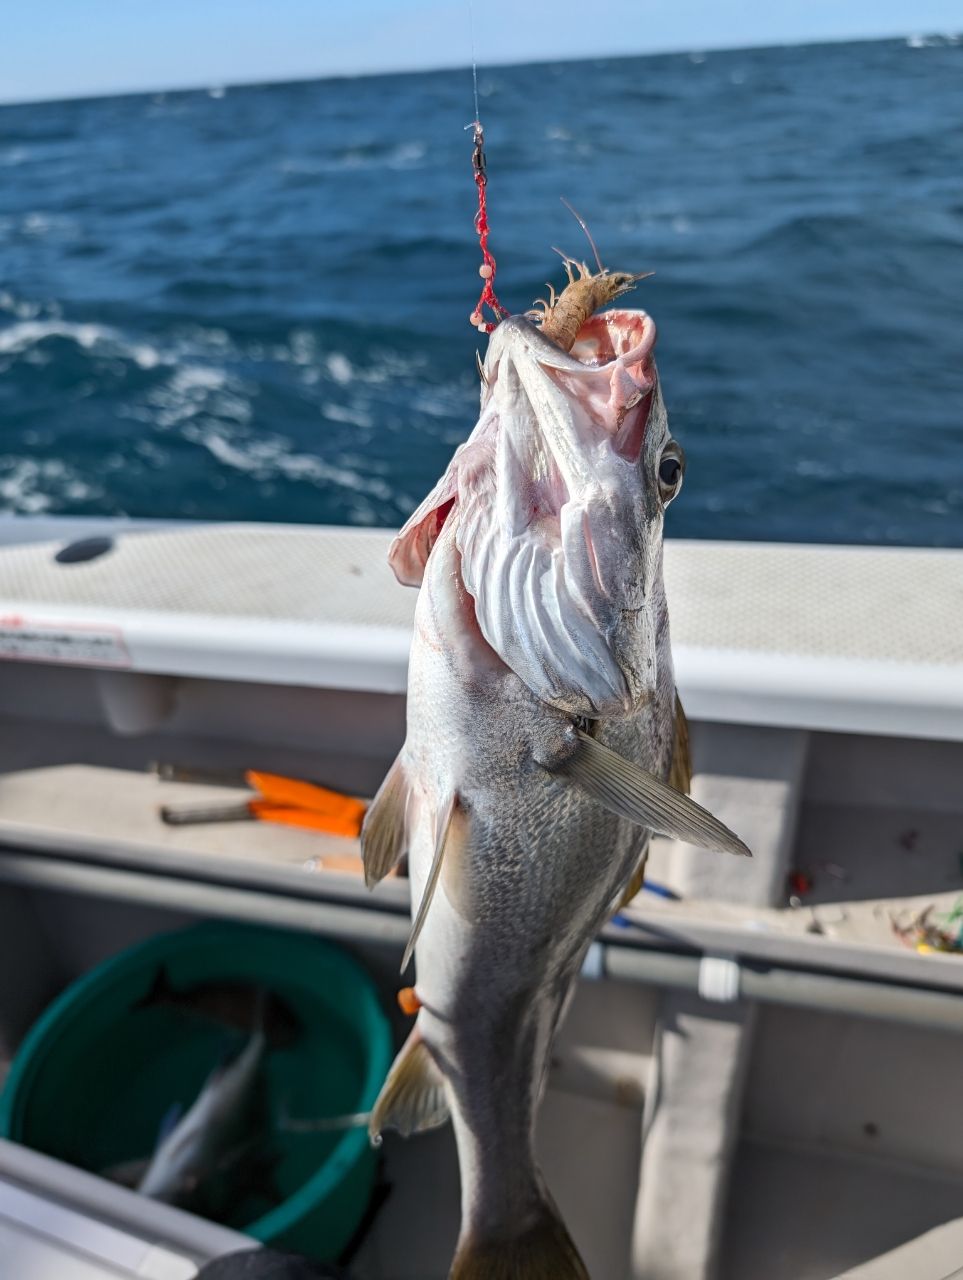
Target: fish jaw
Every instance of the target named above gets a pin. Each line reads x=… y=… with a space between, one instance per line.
x=559 y=521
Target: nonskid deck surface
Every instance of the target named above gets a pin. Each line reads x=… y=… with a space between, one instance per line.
x=260 y=573
x=787 y=599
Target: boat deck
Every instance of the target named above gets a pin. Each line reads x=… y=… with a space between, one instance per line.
x=833 y=746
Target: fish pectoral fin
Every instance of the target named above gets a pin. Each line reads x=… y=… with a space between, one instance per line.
x=413 y=1096
x=680 y=770
x=431 y=884
x=384 y=832
x=633 y=793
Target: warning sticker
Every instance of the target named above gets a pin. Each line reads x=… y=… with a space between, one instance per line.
x=69 y=642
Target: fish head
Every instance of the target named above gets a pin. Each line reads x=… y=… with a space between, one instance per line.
x=559 y=496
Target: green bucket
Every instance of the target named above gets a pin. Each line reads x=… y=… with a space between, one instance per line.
x=95 y=1075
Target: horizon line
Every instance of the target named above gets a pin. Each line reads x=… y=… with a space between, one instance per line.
x=441 y=67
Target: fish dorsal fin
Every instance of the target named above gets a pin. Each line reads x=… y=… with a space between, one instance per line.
x=431 y=884
x=680 y=770
x=384 y=835
x=413 y=1097
x=633 y=793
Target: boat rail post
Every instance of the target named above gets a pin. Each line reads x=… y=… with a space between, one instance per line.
x=703 y=1041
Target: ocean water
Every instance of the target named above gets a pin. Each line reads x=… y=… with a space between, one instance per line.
x=253 y=303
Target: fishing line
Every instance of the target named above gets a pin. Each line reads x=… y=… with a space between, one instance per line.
x=474 y=60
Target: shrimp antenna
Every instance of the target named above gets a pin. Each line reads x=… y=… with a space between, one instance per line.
x=588 y=235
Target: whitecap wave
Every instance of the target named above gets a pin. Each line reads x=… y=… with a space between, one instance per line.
x=273 y=457
x=339 y=368
x=29 y=486
x=404 y=155
x=39 y=223
x=21 y=337
x=192 y=391
x=352 y=414
x=22 y=308
x=933 y=41
x=407 y=155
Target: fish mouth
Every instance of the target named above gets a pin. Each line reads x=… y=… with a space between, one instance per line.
x=612 y=372
x=627 y=336
x=620 y=335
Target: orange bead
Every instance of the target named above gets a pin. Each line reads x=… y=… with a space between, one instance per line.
x=408 y=1001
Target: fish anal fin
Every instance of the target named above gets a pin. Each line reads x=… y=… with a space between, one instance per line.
x=442 y=832
x=544 y=1251
x=680 y=770
x=412 y=1098
x=384 y=836
x=631 y=792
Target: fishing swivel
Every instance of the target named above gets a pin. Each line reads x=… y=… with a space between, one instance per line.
x=478 y=154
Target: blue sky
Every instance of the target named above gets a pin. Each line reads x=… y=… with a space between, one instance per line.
x=66 y=48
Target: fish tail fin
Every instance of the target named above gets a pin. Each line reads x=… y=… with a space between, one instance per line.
x=542 y=1250
x=413 y=1096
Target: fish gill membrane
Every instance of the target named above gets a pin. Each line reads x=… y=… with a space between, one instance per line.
x=545 y=742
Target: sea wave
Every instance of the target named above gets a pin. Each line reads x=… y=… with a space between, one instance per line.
x=28 y=334
x=402 y=155
x=255 y=306
x=272 y=459
x=31 y=486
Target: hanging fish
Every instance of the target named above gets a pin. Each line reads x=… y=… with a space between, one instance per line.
x=543 y=732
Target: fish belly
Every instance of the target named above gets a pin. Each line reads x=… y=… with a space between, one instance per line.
x=531 y=870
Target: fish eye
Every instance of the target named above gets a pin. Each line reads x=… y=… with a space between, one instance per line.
x=671 y=468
